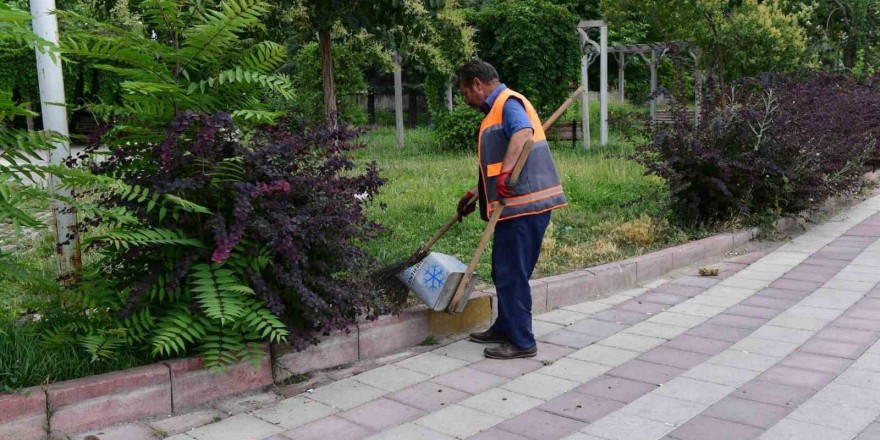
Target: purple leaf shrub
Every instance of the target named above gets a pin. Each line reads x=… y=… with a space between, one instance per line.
x=773 y=145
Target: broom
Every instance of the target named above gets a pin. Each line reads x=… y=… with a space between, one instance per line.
x=385 y=279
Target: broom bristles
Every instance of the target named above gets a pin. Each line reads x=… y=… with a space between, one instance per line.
x=386 y=281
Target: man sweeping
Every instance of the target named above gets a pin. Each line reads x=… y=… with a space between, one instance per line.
x=510 y=121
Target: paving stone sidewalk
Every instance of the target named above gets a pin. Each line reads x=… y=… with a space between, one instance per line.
x=782 y=345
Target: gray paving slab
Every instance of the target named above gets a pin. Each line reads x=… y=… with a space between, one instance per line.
x=509 y=368
x=294 y=412
x=646 y=372
x=501 y=403
x=788 y=429
x=575 y=370
x=674 y=358
x=410 y=431
x=432 y=364
x=332 y=427
x=747 y=412
x=664 y=409
x=774 y=393
x=704 y=427
x=619 y=426
x=582 y=407
x=698 y=344
x=541 y=425
x=616 y=388
x=605 y=355
x=381 y=414
x=237 y=427
x=429 y=396
x=346 y=394
x=459 y=421
x=541 y=386
x=570 y=339
x=596 y=327
x=470 y=380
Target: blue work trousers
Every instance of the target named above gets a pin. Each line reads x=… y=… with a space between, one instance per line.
x=515 y=252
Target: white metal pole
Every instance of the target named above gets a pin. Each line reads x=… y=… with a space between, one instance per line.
x=655 y=60
x=54 y=113
x=585 y=101
x=603 y=86
x=449 y=95
x=698 y=85
x=398 y=99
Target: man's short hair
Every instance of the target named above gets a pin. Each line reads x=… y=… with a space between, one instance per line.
x=475 y=69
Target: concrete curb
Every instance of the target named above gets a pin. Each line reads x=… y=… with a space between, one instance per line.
x=23 y=414
x=389 y=334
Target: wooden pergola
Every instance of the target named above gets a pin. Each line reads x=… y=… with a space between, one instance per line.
x=652 y=54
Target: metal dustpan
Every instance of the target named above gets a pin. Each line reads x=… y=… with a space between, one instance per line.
x=435 y=279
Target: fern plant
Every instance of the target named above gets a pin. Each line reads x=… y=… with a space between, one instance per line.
x=188 y=56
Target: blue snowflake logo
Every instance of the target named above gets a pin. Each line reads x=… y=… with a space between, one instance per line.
x=434 y=277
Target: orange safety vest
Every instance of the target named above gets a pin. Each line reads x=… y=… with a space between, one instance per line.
x=538 y=188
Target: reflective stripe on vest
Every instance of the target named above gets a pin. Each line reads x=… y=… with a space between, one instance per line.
x=538 y=188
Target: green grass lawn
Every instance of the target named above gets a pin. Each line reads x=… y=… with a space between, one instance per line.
x=613 y=211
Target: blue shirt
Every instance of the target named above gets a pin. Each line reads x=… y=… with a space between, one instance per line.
x=514 y=117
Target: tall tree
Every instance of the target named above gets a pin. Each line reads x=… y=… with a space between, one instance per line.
x=534 y=46
x=738 y=37
x=353 y=14
x=839 y=31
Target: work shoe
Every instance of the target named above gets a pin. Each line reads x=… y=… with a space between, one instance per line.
x=488 y=337
x=509 y=351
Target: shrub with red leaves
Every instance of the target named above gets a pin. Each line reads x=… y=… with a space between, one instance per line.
x=768 y=146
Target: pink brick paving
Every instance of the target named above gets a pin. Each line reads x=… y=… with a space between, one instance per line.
x=768 y=350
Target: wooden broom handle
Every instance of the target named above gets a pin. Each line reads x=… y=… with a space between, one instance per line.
x=562 y=108
x=445 y=228
x=490 y=229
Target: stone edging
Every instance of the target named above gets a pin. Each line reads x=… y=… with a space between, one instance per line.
x=172 y=386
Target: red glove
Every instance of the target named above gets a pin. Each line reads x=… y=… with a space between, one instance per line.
x=501 y=187
x=465 y=207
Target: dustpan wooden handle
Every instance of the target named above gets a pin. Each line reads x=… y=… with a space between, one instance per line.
x=490 y=229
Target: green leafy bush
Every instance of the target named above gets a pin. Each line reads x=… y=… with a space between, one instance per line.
x=533 y=46
x=457 y=130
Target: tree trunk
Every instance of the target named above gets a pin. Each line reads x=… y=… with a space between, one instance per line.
x=621 y=80
x=398 y=99
x=849 y=56
x=413 y=109
x=95 y=88
x=330 y=109
x=371 y=107
x=79 y=86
